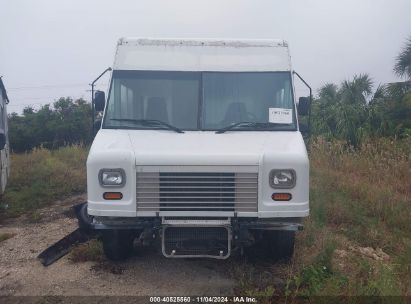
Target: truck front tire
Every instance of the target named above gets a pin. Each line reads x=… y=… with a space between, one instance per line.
x=273 y=245
x=117 y=244
x=280 y=244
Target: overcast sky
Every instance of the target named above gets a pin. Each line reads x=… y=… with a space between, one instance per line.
x=52 y=48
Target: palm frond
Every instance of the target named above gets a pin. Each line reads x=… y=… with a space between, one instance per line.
x=402 y=66
x=328 y=92
x=397 y=90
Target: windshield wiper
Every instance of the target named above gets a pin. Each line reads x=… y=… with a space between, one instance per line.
x=245 y=124
x=150 y=123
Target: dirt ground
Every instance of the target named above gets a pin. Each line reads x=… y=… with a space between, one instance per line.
x=147 y=273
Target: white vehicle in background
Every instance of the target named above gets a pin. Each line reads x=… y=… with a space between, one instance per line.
x=199 y=146
x=4 y=138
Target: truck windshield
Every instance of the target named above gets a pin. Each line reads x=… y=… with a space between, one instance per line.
x=201 y=101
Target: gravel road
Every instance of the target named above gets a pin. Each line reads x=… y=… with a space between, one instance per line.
x=149 y=273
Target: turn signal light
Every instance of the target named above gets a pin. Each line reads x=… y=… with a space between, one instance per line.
x=113 y=195
x=281 y=196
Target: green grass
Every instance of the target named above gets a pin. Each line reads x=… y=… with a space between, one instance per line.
x=39 y=177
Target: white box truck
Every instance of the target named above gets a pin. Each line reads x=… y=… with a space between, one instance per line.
x=4 y=139
x=200 y=147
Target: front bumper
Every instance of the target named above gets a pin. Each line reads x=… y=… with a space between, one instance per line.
x=156 y=223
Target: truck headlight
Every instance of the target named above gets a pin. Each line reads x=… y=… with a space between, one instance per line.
x=112 y=177
x=282 y=178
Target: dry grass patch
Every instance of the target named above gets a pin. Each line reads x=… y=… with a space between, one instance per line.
x=357 y=239
x=368 y=191
x=41 y=176
x=6 y=236
x=91 y=251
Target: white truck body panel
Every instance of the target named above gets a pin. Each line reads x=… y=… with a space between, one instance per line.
x=202 y=55
x=5 y=152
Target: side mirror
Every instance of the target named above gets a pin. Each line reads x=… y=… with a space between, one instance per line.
x=2 y=141
x=99 y=101
x=303 y=106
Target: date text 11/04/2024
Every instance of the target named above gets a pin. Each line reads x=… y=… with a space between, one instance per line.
x=203 y=299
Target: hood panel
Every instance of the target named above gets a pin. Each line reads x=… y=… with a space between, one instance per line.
x=239 y=151
x=163 y=147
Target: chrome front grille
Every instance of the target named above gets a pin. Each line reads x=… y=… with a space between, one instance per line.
x=194 y=191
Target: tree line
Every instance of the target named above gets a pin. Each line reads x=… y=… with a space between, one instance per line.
x=350 y=111
x=64 y=122
x=353 y=111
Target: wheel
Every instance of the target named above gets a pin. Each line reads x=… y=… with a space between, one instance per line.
x=272 y=245
x=280 y=244
x=117 y=244
x=85 y=220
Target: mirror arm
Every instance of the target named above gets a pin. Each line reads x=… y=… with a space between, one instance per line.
x=311 y=101
x=3 y=141
x=92 y=97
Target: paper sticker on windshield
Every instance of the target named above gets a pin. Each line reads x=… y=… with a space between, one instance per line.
x=280 y=115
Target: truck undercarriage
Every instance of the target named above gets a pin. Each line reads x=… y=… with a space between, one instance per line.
x=180 y=237
x=185 y=237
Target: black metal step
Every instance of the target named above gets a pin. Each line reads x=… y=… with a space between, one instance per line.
x=191 y=242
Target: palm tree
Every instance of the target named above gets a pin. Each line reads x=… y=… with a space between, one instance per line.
x=397 y=90
x=357 y=90
x=340 y=111
x=402 y=66
x=328 y=92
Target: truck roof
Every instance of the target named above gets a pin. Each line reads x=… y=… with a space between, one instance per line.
x=220 y=55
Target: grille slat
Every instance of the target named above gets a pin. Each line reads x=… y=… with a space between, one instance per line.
x=142 y=193
x=190 y=208
x=195 y=182
x=195 y=175
x=196 y=187
x=195 y=203
x=197 y=191
x=189 y=198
